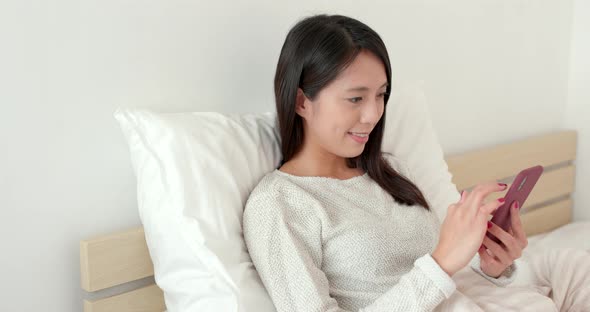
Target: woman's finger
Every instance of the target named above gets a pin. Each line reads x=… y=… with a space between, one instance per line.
x=508 y=240
x=485 y=257
x=497 y=251
x=479 y=193
x=489 y=207
x=511 y=245
x=463 y=195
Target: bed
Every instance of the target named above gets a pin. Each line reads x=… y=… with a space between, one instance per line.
x=117 y=272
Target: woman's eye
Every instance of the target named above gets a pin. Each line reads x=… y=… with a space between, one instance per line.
x=355 y=99
x=382 y=94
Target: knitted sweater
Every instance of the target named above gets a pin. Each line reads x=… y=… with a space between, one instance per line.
x=324 y=244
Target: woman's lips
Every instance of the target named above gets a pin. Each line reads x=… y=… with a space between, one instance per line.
x=358 y=138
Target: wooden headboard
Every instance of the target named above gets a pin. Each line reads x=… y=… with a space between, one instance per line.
x=120 y=258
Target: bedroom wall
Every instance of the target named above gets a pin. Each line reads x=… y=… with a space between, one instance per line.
x=67 y=65
x=577 y=115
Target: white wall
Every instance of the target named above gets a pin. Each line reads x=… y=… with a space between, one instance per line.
x=578 y=105
x=66 y=65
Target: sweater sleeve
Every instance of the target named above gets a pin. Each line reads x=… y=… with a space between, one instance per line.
x=284 y=243
x=435 y=182
x=503 y=280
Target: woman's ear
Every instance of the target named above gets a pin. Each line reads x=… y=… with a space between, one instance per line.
x=301 y=104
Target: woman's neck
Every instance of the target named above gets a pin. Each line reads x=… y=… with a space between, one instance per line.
x=337 y=169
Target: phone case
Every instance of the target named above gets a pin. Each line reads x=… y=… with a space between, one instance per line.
x=519 y=190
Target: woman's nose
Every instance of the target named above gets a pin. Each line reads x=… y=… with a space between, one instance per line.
x=372 y=112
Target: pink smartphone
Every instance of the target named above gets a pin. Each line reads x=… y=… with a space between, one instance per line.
x=519 y=190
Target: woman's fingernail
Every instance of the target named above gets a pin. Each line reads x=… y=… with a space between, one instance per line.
x=516 y=204
x=501 y=199
x=502 y=184
x=489 y=224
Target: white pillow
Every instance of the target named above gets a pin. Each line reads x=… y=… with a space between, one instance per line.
x=410 y=136
x=195 y=171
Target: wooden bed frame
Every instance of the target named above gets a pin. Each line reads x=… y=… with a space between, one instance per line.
x=116 y=259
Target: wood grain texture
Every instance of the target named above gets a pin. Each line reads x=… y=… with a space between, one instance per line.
x=506 y=160
x=114 y=259
x=552 y=184
x=548 y=217
x=146 y=299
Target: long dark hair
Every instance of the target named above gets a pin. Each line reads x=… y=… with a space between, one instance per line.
x=315 y=51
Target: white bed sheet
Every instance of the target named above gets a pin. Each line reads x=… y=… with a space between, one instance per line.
x=573 y=235
x=477 y=294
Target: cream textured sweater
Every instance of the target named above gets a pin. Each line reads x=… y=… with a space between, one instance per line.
x=324 y=244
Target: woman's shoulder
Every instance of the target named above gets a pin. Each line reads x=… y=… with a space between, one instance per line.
x=273 y=194
x=268 y=187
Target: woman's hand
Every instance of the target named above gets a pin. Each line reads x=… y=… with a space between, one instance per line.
x=496 y=258
x=464 y=227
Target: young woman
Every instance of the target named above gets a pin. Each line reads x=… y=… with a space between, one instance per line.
x=339 y=226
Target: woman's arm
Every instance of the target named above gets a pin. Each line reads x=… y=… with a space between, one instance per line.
x=284 y=243
x=441 y=192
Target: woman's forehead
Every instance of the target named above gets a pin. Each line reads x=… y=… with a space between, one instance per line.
x=365 y=72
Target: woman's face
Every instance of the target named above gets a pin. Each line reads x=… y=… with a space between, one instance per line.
x=352 y=103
